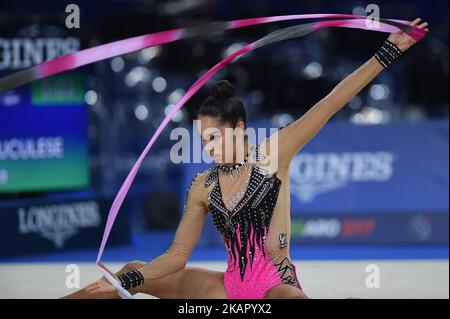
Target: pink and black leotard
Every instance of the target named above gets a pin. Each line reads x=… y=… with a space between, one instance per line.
x=252 y=213
x=255 y=234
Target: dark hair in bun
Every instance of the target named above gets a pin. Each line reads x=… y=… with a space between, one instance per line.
x=223 y=105
x=223 y=90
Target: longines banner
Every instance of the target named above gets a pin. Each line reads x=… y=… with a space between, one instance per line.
x=24 y=52
x=50 y=153
x=372 y=183
x=398 y=167
x=382 y=228
x=56 y=226
x=374 y=228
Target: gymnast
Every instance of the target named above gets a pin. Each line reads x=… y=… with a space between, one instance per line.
x=247 y=194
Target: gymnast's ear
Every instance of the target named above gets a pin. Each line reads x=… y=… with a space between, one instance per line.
x=240 y=124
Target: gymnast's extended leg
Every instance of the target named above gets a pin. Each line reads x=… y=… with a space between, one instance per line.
x=190 y=282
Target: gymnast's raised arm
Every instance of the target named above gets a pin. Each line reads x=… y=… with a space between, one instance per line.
x=293 y=137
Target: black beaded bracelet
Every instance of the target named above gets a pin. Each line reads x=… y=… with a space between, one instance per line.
x=387 y=53
x=131 y=279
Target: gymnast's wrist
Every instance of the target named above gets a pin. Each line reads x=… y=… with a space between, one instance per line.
x=387 y=53
x=131 y=280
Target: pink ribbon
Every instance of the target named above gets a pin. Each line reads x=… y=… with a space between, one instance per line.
x=105 y=51
x=291 y=32
x=109 y=50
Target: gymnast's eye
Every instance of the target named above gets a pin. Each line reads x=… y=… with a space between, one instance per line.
x=211 y=137
x=206 y=140
x=214 y=137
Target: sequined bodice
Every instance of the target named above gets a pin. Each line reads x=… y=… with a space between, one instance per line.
x=244 y=228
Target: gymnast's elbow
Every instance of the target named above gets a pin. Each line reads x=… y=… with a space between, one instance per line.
x=179 y=260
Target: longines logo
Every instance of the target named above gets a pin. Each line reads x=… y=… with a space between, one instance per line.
x=19 y=53
x=59 y=222
x=316 y=173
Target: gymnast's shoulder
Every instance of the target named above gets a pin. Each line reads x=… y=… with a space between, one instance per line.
x=202 y=180
x=200 y=188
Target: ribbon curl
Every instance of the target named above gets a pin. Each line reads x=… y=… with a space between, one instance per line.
x=105 y=51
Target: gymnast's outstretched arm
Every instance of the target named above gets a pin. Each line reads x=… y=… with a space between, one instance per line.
x=188 y=232
x=293 y=137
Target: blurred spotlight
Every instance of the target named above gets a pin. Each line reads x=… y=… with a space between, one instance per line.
x=147 y=54
x=175 y=96
x=233 y=48
x=379 y=92
x=369 y=115
x=117 y=64
x=361 y=11
x=355 y=103
x=283 y=119
x=313 y=71
x=141 y=112
x=91 y=97
x=159 y=84
x=136 y=75
x=178 y=116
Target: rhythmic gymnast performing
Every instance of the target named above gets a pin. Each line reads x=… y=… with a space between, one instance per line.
x=247 y=193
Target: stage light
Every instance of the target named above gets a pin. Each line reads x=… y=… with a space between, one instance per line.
x=361 y=11
x=379 y=92
x=282 y=119
x=368 y=115
x=136 y=75
x=313 y=71
x=175 y=96
x=233 y=48
x=147 y=54
x=159 y=84
x=91 y=97
x=141 y=112
x=355 y=103
x=178 y=116
x=117 y=64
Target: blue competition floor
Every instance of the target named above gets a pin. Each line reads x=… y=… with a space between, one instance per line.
x=149 y=246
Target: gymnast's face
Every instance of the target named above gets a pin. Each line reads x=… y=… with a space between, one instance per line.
x=215 y=139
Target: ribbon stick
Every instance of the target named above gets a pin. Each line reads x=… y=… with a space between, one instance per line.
x=77 y=59
x=388 y=26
